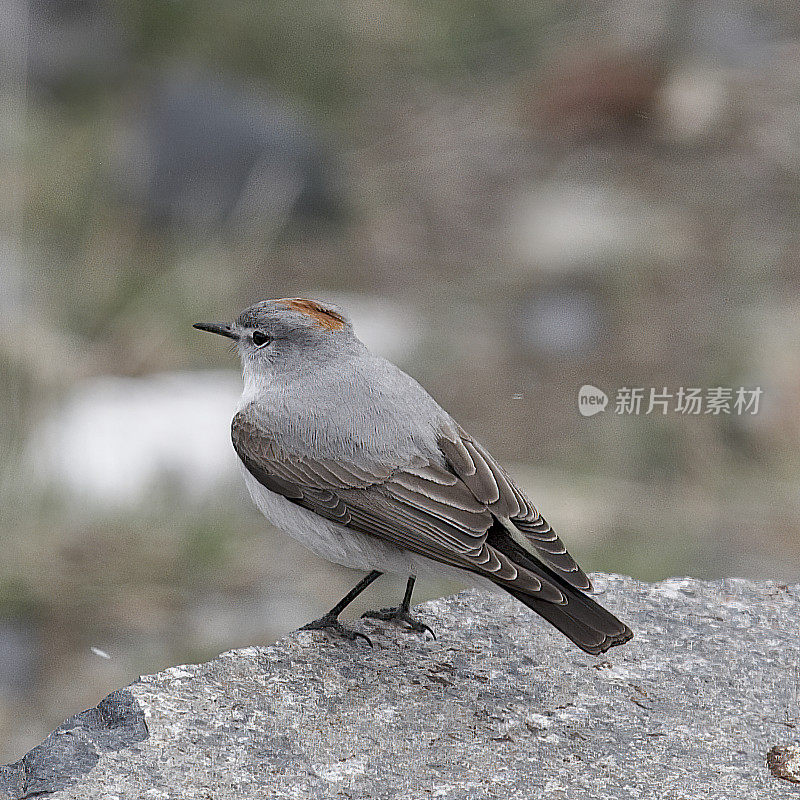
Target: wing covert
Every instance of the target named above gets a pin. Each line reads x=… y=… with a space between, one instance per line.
x=423 y=507
x=490 y=484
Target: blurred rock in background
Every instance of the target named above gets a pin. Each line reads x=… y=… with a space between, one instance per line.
x=207 y=152
x=511 y=200
x=74 y=44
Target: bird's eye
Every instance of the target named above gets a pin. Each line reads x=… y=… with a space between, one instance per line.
x=260 y=338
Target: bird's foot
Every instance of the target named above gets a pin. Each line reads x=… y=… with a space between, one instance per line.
x=331 y=623
x=400 y=615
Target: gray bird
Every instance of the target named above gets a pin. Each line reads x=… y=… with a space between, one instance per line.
x=352 y=457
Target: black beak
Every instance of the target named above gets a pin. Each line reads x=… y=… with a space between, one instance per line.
x=222 y=328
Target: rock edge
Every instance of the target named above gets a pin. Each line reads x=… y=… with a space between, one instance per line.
x=499 y=705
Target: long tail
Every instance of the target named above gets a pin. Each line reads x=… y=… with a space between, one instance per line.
x=581 y=619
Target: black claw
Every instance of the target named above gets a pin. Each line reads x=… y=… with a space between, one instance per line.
x=400 y=614
x=330 y=623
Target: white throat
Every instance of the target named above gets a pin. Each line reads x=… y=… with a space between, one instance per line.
x=256 y=386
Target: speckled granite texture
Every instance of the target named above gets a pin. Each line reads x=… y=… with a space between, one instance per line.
x=499 y=706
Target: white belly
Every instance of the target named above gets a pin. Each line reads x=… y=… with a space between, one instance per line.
x=345 y=546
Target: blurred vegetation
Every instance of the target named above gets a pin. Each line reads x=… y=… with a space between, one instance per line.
x=489 y=163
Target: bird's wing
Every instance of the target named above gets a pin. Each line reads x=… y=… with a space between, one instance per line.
x=491 y=485
x=424 y=507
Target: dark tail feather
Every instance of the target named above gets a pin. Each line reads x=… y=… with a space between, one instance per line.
x=582 y=620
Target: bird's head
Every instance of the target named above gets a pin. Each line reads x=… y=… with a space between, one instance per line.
x=278 y=338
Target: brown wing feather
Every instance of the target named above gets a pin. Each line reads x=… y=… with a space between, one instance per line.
x=490 y=484
x=424 y=508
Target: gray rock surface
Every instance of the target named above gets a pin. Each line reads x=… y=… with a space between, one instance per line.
x=500 y=705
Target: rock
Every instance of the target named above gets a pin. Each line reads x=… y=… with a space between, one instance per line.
x=74 y=42
x=695 y=104
x=20 y=654
x=207 y=151
x=568 y=229
x=500 y=705
x=75 y=747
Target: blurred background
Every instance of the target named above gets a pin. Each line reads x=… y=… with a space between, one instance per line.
x=512 y=198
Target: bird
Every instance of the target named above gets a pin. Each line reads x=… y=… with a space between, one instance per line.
x=346 y=453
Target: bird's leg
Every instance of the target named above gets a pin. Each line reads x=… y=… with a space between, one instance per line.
x=400 y=613
x=330 y=621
